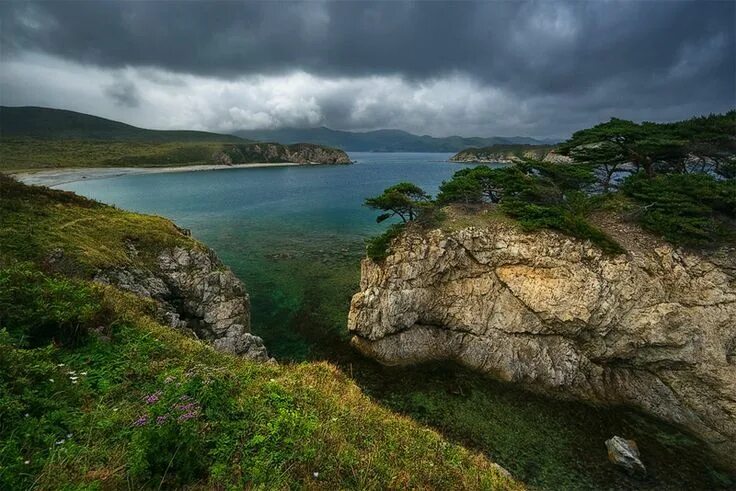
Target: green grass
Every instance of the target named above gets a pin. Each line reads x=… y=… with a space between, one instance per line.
x=141 y=404
x=30 y=154
x=36 y=221
x=95 y=394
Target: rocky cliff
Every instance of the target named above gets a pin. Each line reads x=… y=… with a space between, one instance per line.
x=653 y=329
x=195 y=293
x=299 y=153
x=509 y=154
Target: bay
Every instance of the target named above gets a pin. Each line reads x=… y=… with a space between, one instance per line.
x=296 y=236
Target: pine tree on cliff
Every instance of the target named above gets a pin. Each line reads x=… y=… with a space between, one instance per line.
x=404 y=200
x=642 y=144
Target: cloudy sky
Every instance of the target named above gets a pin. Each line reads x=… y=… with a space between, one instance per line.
x=489 y=68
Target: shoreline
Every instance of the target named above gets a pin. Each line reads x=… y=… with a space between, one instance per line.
x=58 y=177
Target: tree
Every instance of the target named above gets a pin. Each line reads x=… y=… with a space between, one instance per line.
x=603 y=155
x=642 y=144
x=460 y=189
x=405 y=200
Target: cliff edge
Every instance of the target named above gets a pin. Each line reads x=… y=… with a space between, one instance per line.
x=654 y=328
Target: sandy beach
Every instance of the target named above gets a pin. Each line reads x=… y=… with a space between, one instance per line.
x=57 y=177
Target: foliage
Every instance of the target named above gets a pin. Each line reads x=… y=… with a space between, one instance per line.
x=537 y=194
x=137 y=404
x=643 y=144
x=145 y=406
x=404 y=200
x=692 y=209
x=655 y=146
x=36 y=223
x=377 y=247
x=62 y=309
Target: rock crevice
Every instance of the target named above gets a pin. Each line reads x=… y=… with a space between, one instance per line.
x=196 y=293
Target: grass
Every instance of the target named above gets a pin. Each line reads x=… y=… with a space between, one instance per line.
x=36 y=221
x=96 y=394
x=29 y=154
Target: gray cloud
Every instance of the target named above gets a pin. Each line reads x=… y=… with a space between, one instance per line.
x=124 y=93
x=551 y=66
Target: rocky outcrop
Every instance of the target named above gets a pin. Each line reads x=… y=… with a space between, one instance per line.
x=653 y=329
x=299 y=153
x=510 y=154
x=625 y=453
x=196 y=293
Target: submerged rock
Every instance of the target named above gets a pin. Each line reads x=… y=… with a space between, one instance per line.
x=625 y=453
x=653 y=329
x=198 y=294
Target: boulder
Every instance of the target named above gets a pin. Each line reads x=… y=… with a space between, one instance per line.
x=625 y=453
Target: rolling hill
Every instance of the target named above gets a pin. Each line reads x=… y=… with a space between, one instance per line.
x=47 y=123
x=381 y=140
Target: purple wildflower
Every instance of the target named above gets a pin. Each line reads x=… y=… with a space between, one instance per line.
x=187 y=416
x=142 y=421
x=161 y=419
x=187 y=407
x=153 y=398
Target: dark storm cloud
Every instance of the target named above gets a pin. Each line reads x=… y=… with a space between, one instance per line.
x=124 y=93
x=596 y=56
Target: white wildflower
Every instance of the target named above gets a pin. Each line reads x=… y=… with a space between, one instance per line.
x=27 y=462
x=316 y=474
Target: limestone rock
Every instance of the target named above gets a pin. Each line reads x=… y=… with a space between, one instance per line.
x=198 y=294
x=653 y=329
x=625 y=453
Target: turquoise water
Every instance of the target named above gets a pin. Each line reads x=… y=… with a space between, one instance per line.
x=295 y=236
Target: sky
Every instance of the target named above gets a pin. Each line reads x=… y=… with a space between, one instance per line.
x=542 y=69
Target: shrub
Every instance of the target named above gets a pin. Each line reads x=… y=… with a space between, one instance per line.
x=687 y=209
x=377 y=247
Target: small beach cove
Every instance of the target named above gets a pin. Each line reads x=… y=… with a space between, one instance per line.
x=59 y=177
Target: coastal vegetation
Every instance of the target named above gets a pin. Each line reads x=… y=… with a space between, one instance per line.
x=39 y=138
x=677 y=182
x=97 y=393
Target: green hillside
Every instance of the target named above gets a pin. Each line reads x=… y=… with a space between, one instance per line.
x=47 y=123
x=379 y=140
x=96 y=394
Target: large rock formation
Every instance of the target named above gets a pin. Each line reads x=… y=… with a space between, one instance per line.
x=299 y=153
x=510 y=154
x=196 y=293
x=654 y=329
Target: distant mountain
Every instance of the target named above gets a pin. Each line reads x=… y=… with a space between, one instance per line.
x=47 y=123
x=382 y=140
